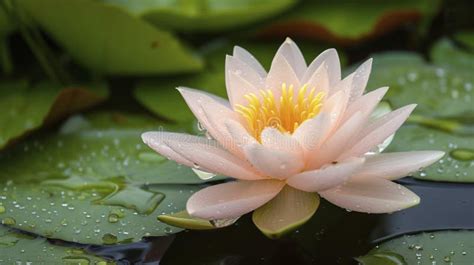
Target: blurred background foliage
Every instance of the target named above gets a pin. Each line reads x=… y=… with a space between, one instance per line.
x=80 y=79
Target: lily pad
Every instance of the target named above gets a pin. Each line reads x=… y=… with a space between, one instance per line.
x=443 y=247
x=337 y=21
x=93 y=185
x=16 y=248
x=201 y=16
x=29 y=106
x=445 y=52
x=443 y=119
x=161 y=97
x=466 y=38
x=110 y=40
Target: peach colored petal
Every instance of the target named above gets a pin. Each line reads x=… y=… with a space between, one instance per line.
x=360 y=79
x=342 y=85
x=310 y=133
x=241 y=79
x=396 y=165
x=274 y=139
x=274 y=163
x=250 y=60
x=239 y=136
x=374 y=195
x=335 y=145
x=204 y=154
x=377 y=131
x=331 y=60
x=366 y=103
x=327 y=177
x=335 y=107
x=281 y=72
x=319 y=80
x=155 y=141
x=232 y=199
x=293 y=56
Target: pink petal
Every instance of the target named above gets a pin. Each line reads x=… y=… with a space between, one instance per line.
x=360 y=79
x=238 y=134
x=327 y=177
x=241 y=79
x=377 y=131
x=155 y=141
x=293 y=56
x=335 y=107
x=310 y=133
x=281 y=72
x=232 y=199
x=274 y=163
x=331 y=60
x=374 y=195
x=335 y=145
x=342 y=85
x=366 y=103
x=274 y=139
x=395 y=165
x=319 y=80
x=246 y=57
x=203 y=153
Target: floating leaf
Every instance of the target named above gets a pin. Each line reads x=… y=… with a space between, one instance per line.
x=348 y=21
x=184 y=220
x=446 y=53
x=29 y=106
x=16 y=248
x=91 y=185
x=161 y=97
x=198 y=15
x=444 y=117
x=466 y=38
x=443 y=247
x=108 y=39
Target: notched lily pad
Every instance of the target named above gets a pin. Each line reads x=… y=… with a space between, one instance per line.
x=29 y=106
x=90 y=185
x=16 y=248
x=443 y=247
x=336 y=21
x=109 y=40
x=195 y=15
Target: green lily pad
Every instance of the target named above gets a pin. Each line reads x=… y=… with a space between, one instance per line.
x=443 y=119
x=443 y=247
x=201 y=16
x=161 y=97
x=466 y=38
x=94 y=184
x=446 y=53
x=110 y=40
x=184 y=220
x=348 y=21
x=29 y=106
x=16 y=248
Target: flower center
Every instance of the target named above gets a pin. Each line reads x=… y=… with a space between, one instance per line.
x=286 y=114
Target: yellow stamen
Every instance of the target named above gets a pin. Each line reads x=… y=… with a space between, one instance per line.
x=285 y=114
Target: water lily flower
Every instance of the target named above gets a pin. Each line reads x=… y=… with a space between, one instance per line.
x=289 y=136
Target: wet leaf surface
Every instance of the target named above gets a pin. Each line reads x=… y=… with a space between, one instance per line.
x=29 y=106
x=109 y=40
x=90 y=185
x=195 y=15
x=443 y=247
x=17 y=248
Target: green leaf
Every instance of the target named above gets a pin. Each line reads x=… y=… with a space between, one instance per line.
x=93 y=182
x=444 y=117
x=16 y=248
x=202 y=16
x=349 y=21
x=286 y=212
x=161 y=97
x=443 y=247
x=29 y=106
x=446 y=53
x=184 y=220
x=109 y=40
x=466 y=38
